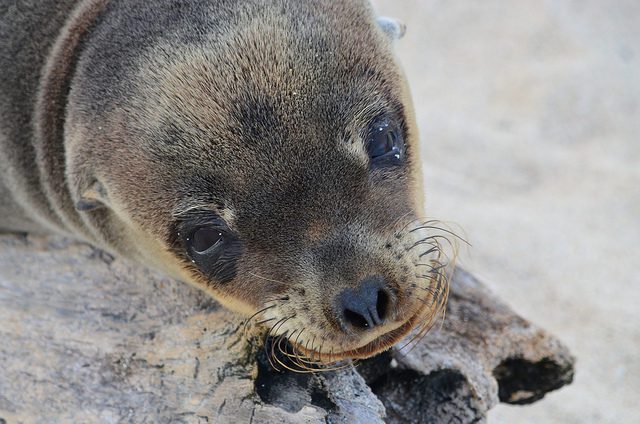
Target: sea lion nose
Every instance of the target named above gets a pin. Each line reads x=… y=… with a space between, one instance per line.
x=366 y=306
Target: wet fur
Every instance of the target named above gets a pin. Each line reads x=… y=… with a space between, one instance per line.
x=131 y=122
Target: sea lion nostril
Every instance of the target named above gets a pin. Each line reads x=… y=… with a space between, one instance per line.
x=367 y=307
x=357 y=320
x=376 y=299
x=382 y=305
x=354 y=310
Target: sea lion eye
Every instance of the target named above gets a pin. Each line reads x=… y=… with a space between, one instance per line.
x=209 y=244
x=204 y=238
x=385 y=141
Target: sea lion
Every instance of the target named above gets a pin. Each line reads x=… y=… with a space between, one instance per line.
x=262 y=150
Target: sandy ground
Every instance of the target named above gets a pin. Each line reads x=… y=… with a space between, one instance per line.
x=529 y=114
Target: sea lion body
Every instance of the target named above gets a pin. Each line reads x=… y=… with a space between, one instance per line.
x=264 y=151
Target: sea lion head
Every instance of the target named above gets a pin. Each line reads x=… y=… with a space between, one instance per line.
x=268 y=154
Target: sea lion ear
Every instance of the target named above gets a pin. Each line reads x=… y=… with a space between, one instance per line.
x=93 y=197
x=392 y=28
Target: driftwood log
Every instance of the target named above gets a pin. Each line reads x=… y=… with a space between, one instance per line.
x=85 y=338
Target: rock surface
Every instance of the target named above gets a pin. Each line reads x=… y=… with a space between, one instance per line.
x=86 y=338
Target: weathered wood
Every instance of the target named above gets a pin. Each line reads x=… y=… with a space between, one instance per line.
x=85 y=338
x=483 y=353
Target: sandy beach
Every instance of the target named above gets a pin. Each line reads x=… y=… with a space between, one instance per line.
x=529 y=114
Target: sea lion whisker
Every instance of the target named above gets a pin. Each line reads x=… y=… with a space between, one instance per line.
x=306 y=363
x=279 y=323
x=414 y=220
x=433 y=240
x=426 y=324
x=314 y=350
x=282 y=337
x=246 y=324
x=296 y=344
x=437 y=268
x=425 y=302
x=433 y=227
x=321 y=349
x=289 y=337
x=429 y=274
x=283 y=346
x=264 y=321
x=273 y=356
x=429 y=251
x=404 y=227
x=287 y=349
x=427 y=226
x=306 y=345
x=280 y=362
x=350 y=363
x=424 y=264
x=272 y=330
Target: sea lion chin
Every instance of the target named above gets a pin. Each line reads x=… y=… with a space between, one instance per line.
x=263 y=151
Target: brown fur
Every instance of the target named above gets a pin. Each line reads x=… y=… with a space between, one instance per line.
x=250 y=118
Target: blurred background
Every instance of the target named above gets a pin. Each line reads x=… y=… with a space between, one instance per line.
x=529 y=118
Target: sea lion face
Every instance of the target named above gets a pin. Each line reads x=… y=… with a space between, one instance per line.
x=275 y=165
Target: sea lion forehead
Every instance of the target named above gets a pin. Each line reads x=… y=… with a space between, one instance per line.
x=274 y=62
x=251 y=98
